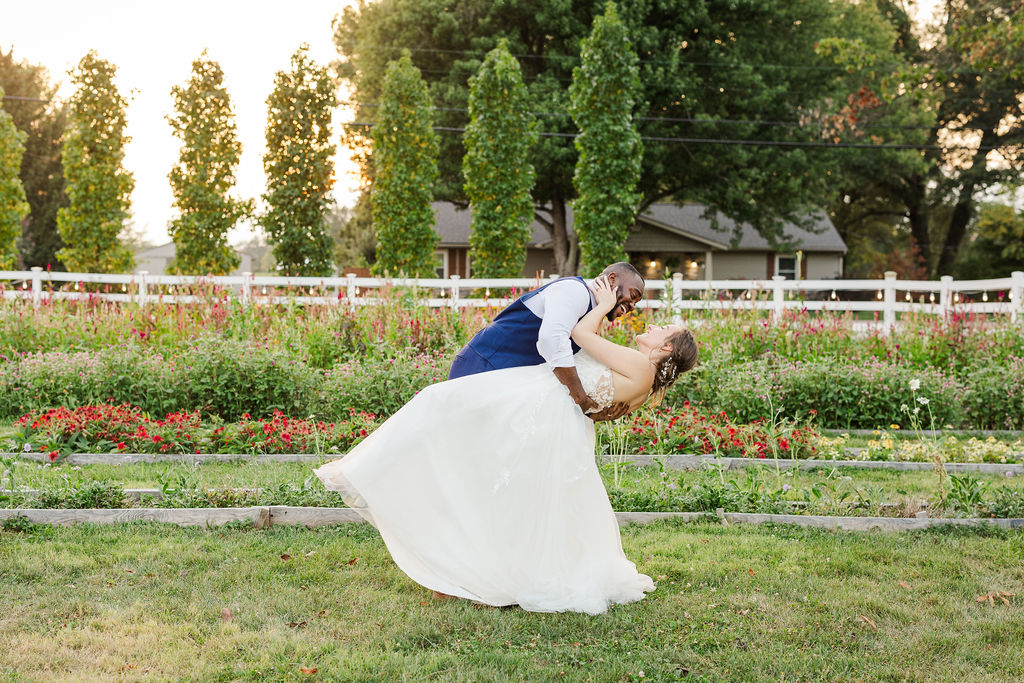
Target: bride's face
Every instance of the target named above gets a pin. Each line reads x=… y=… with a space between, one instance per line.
x=656 y=336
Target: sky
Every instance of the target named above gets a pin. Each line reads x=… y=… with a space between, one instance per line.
x=153 y=46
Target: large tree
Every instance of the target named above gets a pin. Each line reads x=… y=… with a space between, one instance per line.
x=499 y=175
x=298 y=167
x=98 y=186
x=405 y=167
x=603 y=93
x=13 y=207
x=967 y=115
x=710 y=71
x=204 y=176
x=31 y=104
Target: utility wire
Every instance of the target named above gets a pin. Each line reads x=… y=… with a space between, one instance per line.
x=759 y=143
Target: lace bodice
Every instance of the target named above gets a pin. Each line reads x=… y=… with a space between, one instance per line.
x=596 y=379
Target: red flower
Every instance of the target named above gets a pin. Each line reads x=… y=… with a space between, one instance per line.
x=52 y=455
x=121 y=446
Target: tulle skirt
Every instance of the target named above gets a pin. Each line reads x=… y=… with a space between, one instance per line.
x=486 y=487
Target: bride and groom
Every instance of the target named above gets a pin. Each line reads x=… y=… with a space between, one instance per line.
x=485 y=486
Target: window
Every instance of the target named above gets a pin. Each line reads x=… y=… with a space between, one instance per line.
x=785 y=266
x=441 y=264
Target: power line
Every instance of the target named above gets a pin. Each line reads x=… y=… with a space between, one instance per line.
x=660 y=60
x=758 y=143
x=680 y=119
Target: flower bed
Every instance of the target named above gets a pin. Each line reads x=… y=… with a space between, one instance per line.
x=106 y=428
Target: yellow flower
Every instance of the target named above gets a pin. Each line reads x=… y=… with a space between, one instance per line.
x=876 y=432
x=894 y=426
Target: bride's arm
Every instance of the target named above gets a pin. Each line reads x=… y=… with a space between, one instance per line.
x=628 y=362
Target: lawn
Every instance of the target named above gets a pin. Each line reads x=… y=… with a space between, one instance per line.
x=733 y=603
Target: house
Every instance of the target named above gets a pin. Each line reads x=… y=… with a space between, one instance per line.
x=154 y=260
x=666 y=239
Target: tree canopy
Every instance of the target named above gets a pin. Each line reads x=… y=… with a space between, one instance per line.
x=716 y=71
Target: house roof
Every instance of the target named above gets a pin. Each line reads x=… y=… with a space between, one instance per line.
x=453 y=225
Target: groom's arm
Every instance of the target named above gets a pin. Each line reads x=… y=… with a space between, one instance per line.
x=559 y=307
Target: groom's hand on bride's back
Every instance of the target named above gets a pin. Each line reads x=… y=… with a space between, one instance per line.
x=612 y=412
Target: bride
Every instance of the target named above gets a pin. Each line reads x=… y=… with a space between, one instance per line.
x=486 y=487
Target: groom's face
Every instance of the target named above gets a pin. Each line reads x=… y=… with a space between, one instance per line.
x=629 y=289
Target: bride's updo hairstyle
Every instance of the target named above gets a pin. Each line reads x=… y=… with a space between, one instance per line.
x=681 y=358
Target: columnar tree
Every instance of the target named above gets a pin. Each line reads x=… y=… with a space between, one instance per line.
x=298 y=167
x=43 y=119
x=603 y=92
x=405 y=167
x=499 y=175
x=205 y=173
x=97 y=184
x=13 y=207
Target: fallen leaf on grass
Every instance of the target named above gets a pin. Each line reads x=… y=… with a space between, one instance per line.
x=296 y=624
x=130 y=571
x=867 y=621
x=991 y=598
x=352 y=561
x=752 y=572
x=903 y=584
x=308 y=669
x=226 y=614
x=311 y=553
x=286 y=557
x=703 y=540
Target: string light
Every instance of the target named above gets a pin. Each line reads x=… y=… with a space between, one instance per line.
x=909 y=298
x=984 y=296
x=931 y=297
x=834 y=297
x=879 y=295
x=956 y=298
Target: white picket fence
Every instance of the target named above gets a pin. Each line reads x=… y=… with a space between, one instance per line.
x=887 y=297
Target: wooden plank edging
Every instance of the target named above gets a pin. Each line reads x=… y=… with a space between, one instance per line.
x=265 y=516
x=677 y=462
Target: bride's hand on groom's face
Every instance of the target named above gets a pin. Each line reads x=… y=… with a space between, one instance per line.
x=604 y=294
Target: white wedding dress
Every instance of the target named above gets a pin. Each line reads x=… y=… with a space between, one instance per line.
x=486 y=487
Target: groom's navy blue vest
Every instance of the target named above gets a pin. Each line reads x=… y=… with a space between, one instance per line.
x=509 y=341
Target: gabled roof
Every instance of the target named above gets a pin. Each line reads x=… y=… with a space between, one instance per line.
x=453 y=225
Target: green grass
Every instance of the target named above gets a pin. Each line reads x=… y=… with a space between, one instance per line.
x=241 y=474
x=145 y=601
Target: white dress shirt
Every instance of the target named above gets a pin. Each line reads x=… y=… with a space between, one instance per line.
x=559 y=306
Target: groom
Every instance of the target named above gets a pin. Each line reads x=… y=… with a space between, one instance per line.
x=535 y=329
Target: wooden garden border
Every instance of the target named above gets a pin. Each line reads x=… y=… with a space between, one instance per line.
x=265 y=516
x=676 y=462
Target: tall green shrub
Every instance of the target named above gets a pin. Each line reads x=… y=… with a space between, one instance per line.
x=97 y=184
x=205 y=173
x=405 y=165
x=604 y=90
x=499 y=175
x=13 y=207
x=298 y=167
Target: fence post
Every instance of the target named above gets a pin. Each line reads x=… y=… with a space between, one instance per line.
x=246 y=286
x=677 y=298
x=350 y=290
x=889 y=304
x=778 y=297
x=37 y=285
x=141 y=295
x=1017 y=294
x=946 y=295
x=455 y=291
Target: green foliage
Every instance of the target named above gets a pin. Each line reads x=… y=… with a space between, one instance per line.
x=996 y=248
x=381 y=387
x=13 y=207
x=219 y=377
x=98 y=186
x=42 y=118
x=604 y=90
x=498 y=138
x=205 y=173
x=405 y=167
x=298 y=167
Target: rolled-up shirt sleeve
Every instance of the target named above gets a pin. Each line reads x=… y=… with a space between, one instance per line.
x=559 y=306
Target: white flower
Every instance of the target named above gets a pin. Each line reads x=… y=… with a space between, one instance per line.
x=916 y=410
x=915 y=384
x=28 y=447
x=922 y=400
